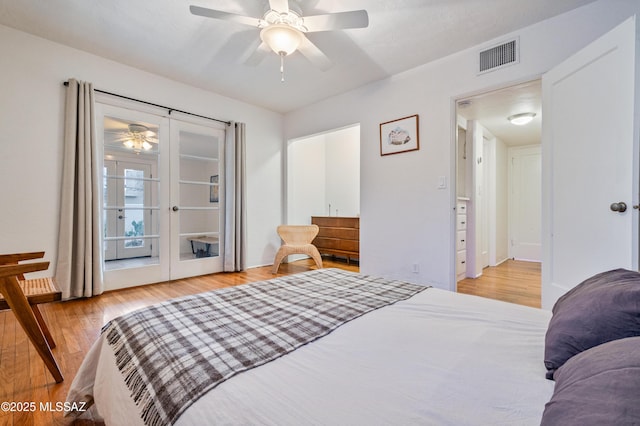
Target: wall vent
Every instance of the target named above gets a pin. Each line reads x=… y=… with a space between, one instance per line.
x=499 y=56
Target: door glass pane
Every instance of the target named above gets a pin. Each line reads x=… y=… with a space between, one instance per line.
x=200 y=195
x=130 y=208
x=133 y=202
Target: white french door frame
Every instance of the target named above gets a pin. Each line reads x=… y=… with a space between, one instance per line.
x=184 y=212
x=153 y=272
x=165 y=248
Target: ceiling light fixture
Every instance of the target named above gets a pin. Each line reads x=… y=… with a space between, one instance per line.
x=282 y=39
x=137 y=138
x=521 y=119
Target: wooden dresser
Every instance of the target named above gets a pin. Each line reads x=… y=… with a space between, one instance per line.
x=338 y=236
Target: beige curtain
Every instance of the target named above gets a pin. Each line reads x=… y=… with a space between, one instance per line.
x=79 y=265
x=235 y=199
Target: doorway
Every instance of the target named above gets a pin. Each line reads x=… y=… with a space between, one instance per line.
x=498 y=178
x=322 y=180
x=323 y=175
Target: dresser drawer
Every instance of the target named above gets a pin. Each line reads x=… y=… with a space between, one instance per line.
x=461 y=262
x=462 y=222
x=337 y=244
x=336 y=221
x=461 y=240
x=343 y=233
x=461 y=208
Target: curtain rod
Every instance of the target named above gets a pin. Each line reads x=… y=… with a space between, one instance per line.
x=228 y=123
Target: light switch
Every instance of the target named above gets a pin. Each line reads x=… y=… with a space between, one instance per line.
x=442 y=182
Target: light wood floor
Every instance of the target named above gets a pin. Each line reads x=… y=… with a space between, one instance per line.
x=512 y=281
x=75 y=325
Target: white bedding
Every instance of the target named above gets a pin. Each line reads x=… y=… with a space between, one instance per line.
x=438 y=358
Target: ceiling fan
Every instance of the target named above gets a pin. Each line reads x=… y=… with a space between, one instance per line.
x=136 y=137
x=282 y=30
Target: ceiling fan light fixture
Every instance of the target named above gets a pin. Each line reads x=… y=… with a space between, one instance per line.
x=521 y=119
x=137 y=138
x=281 y=38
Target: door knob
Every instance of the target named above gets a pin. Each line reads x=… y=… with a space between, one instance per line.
x=620 y=207
x=176 y=208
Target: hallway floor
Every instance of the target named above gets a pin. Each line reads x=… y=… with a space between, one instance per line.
x=513 y=281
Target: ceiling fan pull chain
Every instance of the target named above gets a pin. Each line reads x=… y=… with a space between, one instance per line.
x=282 y=54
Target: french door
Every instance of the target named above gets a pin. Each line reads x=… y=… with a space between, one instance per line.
x=163 y=196
x=196 y=214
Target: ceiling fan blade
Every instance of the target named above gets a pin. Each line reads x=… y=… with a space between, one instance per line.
x=225 y=16
x=314 y=55
x=281 y=6
x=258 y=55
x=337 y=21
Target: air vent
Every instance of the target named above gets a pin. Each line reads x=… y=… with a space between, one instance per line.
x=498 y=56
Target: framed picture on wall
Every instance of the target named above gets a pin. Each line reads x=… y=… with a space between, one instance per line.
x=399 y=135
x=214 y=194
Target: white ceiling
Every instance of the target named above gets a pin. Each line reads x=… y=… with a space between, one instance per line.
x=163 y=37
x=492 y=109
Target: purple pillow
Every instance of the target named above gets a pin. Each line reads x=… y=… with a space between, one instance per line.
x=602 y=308
x=600 y=386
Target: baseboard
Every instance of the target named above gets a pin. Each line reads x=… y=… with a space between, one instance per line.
x=500 y=262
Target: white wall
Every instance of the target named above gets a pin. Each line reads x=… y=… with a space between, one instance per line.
x=502 y=202
x=477 y=217
x=31 y=117
x=307 y=181
x=461 y=168
x=405 y=218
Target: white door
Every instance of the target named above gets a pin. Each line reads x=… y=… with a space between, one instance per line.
x=197 y=201
x=589 y=160
x=525 y=203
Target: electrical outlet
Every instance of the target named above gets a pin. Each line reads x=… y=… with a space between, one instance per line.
x=415 y=268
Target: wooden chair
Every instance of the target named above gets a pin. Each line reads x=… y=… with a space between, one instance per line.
x=297 y=240
x=23 y=296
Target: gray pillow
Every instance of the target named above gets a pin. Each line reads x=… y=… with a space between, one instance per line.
x=600 y=386
x=602 y=308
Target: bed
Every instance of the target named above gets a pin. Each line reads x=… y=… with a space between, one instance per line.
x=421 y=356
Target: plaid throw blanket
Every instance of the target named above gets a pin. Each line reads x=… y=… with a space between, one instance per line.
x=172 y=353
